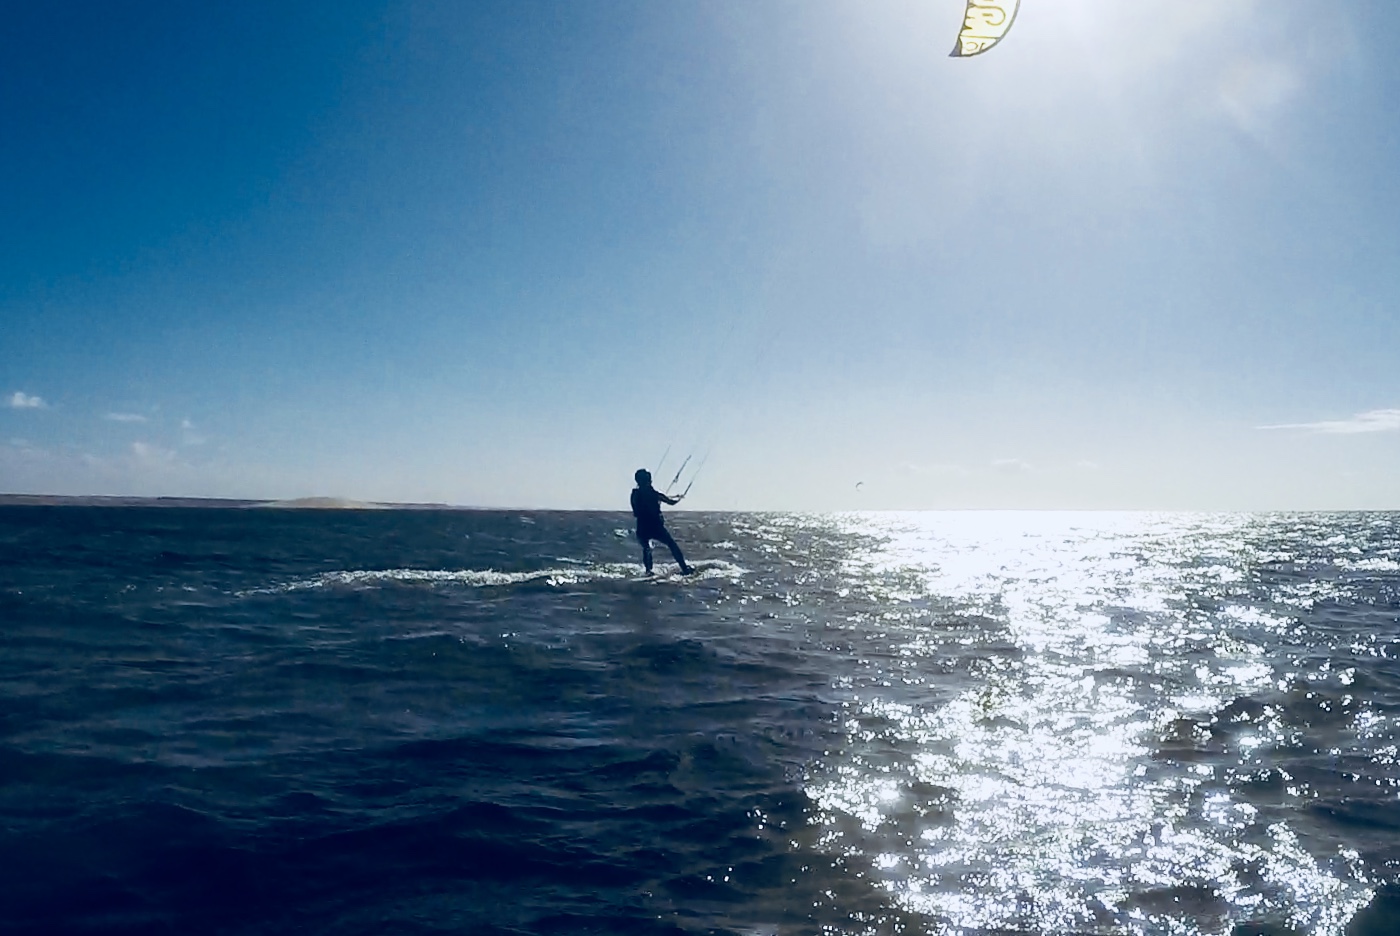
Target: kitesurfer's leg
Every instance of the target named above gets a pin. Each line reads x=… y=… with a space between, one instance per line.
x=646 y=549
x=664 y=536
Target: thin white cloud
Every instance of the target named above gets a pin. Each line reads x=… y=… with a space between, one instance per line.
x=1380 y=420
x=1253 y=92
x=1011 y=465
x=21 y=400
x=127 y=417
x=192 y=436
x=153 y=455
x=141 y=468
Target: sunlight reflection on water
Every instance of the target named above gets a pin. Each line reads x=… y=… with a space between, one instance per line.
x=1070 y=786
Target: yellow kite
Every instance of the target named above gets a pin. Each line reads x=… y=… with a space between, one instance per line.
x=984 y=25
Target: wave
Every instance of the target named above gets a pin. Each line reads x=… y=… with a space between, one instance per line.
x=576 y=574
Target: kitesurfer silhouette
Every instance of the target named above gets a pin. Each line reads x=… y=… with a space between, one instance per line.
x=646 y=507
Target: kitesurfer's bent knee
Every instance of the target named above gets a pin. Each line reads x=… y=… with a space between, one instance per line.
x=664 y=536
x=661 y=535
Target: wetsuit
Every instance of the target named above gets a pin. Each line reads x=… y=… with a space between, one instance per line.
x=646 y=507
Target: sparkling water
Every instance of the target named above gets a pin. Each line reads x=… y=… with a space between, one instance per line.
x=261 y=721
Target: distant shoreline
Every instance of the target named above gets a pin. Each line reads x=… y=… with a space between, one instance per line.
x=341 y=503
x=300 y=503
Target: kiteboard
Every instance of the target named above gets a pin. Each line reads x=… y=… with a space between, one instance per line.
x=705 y=569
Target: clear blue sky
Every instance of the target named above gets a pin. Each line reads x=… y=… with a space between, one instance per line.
x=1141 y=255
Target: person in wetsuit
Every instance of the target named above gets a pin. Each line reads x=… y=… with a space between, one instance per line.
x=646 y=507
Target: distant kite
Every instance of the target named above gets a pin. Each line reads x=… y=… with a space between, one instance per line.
x=984 y=25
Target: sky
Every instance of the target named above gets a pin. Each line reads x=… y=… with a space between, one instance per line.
x=1138 y=256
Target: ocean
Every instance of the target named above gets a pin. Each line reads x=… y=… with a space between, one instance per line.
x=963 y=724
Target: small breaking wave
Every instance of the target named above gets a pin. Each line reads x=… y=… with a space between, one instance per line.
x=578 y=574
x=1377 y=564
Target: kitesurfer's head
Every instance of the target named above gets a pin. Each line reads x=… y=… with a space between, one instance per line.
x=643 y=477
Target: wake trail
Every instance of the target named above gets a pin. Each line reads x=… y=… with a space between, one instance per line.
x=492 y=578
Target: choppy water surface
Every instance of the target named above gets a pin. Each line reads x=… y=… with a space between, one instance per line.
x=973 y=723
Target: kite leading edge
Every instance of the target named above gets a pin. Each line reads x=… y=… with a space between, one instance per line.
x=985 y=23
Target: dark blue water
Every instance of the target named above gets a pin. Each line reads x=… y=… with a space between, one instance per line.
x=260 y=721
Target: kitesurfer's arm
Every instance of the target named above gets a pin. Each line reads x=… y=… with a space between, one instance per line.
x=670 y=500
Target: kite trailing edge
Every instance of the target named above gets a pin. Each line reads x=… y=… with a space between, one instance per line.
x=985 y=23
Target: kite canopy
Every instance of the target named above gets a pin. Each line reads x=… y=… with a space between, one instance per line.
x=984 y=25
